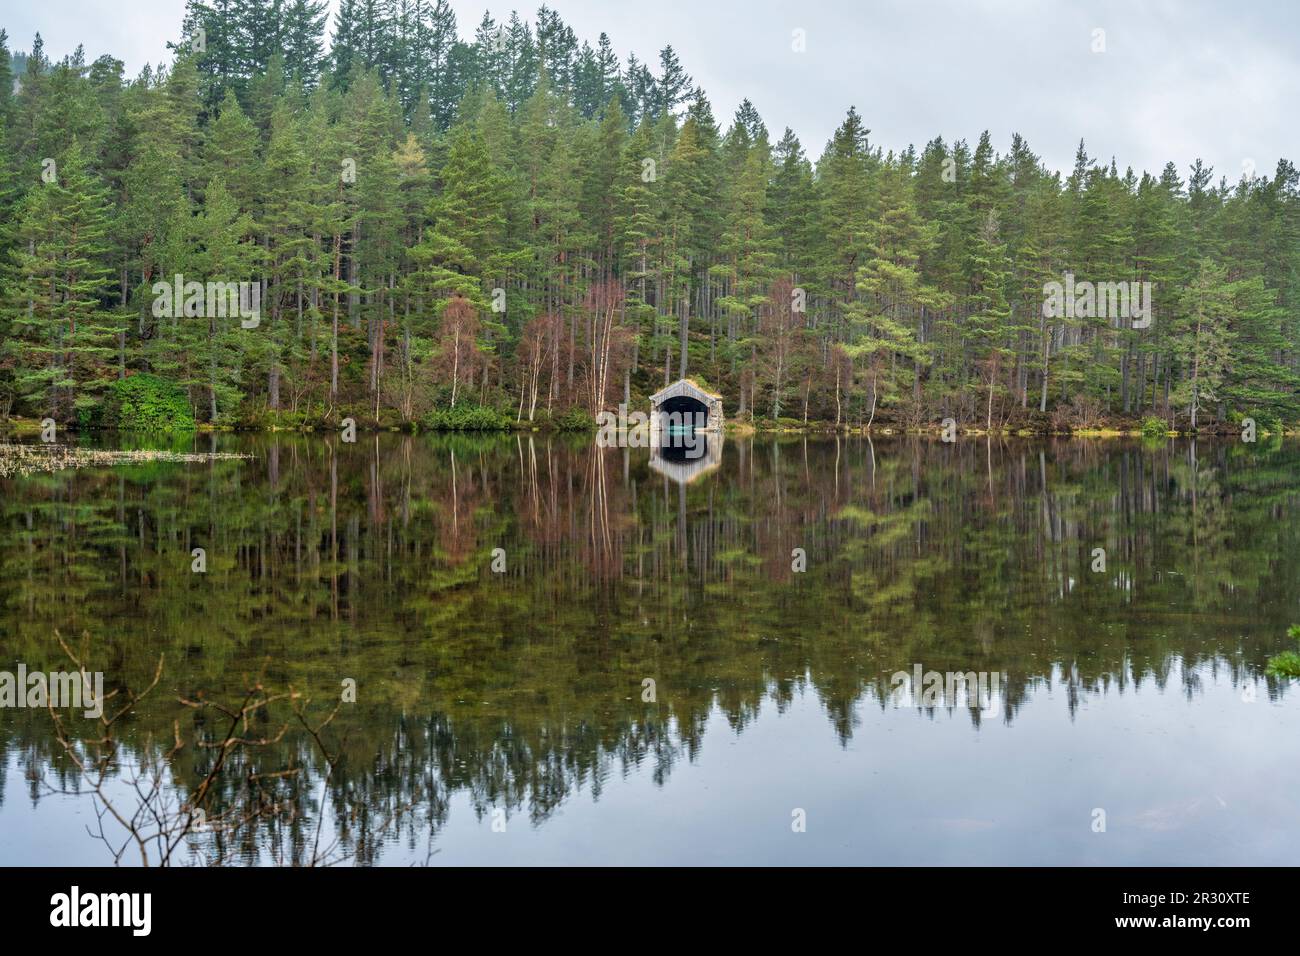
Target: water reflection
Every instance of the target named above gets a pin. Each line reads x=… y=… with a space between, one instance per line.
x=685 y=461
x=518 y=689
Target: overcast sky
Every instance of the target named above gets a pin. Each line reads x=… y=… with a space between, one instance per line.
x=1176 y=80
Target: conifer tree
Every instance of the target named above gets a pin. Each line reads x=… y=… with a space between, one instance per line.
x=61 y=338
x=1202 y=341
x=884 y=323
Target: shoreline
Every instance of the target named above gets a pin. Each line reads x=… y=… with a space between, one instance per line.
x=19 y=428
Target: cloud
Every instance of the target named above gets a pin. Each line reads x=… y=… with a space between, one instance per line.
x=1177 y=81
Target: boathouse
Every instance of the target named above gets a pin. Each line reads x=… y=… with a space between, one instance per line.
x=687 y=400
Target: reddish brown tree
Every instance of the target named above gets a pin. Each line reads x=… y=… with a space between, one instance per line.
x=459 y=355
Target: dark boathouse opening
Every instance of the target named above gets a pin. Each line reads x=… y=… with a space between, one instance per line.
x=673 y=448
x=685 y=410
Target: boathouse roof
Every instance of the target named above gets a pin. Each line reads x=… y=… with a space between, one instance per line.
x=686 y=387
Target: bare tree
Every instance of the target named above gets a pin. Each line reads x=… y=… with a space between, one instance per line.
x=143 y=805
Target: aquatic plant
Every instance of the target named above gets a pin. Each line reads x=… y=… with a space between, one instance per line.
x=1286 y=664
x=24 y=460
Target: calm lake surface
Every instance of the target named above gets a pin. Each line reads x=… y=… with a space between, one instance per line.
x=501 y=717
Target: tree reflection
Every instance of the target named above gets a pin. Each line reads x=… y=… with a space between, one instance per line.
x=372 y=561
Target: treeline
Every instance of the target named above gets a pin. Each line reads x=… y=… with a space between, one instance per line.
x=520 y=228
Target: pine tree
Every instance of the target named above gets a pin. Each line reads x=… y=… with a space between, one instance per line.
x=210 y=352
x=292 y=262
x=557 y=48
x=746 y=248
x=601 y=185
x=230 y=153
x=792 y=208
x=443 y=59
x=1202 y=341
x=885 y=323
x=673 y=86
x=210 y=32
x=468 y=224
x=344 y=53
x=491 y=68
x=642 y=97
x=687 y=193
x=304 y=40
x=61 y=340
x=523 y=63
x=6 y=80
x=162 y=177
x=636 y=224
x=846 y=209
x=1256 y=382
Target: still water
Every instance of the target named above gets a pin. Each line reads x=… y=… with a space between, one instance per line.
x=665 y=662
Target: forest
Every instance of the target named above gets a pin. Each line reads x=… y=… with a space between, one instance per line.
x=524 y=229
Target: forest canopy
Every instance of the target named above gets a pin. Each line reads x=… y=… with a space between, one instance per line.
x=521 y=227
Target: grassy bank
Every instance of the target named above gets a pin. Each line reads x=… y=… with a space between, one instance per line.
x=30 y=428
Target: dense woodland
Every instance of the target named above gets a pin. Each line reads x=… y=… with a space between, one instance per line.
x=524 y=228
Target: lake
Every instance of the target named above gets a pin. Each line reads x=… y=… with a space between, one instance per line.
x=539 y=651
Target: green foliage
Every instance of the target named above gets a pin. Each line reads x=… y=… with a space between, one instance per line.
x=90 y=416
x=574 y=420
x=147 y=404
x=58 y=332
x=1286 y=664
x=1269 y=423
x=465 y=417
x=1153 y=427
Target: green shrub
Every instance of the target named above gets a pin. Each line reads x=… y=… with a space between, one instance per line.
x=1268 y=422
x=90 y=415
x=1153 y=427
x=767 y=424
x=574 y=420
x=1286 y=664
x=286 y=420
x=148 y=404
x=466 y=418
